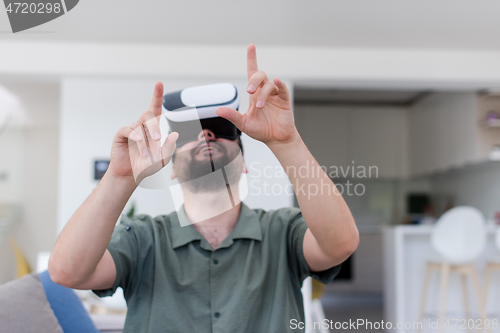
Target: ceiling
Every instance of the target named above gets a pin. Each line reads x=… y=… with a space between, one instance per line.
x=443 y=24
x=308 y=96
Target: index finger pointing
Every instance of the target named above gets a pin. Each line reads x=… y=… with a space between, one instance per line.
x=157 y=101
x=251 y=61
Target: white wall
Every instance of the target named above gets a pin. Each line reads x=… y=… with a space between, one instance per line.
x=11 y=160
x=29 y=155
x=11 y=193
x=91 y=113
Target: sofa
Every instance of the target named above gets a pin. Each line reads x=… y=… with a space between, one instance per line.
x=34 y=303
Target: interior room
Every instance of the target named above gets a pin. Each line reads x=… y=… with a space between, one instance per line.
x=399 y=104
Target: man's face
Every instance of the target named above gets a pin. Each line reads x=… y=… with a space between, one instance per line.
x=195 y=163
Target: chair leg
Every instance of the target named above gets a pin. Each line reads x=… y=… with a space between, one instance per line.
x=319 y=314
x=423 y=300
x=487 y=277
x=463 y=278
x=475 y=284
x=445 y=275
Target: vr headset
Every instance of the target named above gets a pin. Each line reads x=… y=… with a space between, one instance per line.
x=191 y=110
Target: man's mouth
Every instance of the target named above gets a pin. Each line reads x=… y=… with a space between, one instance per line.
x=207 y=148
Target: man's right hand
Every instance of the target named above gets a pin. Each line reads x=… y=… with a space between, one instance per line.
x=137 y=151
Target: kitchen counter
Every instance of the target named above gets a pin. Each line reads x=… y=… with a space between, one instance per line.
x=406 y=249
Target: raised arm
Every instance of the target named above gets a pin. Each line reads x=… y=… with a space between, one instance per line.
x=332 y=235
x=80 y=258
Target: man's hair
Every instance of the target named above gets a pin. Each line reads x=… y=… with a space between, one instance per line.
x=240 y=144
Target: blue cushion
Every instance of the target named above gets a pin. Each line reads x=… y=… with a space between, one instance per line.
x=67 y=307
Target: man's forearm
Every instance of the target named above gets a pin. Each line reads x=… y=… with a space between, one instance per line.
x=84 y=239
x=323 y=208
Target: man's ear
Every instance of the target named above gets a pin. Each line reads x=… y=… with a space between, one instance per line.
x=173 y=175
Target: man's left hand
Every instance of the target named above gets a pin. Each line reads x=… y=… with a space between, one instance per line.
x=269 y=117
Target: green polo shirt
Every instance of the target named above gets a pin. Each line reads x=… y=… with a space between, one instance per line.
x=174 y=281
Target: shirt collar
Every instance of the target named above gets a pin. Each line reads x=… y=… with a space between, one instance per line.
x=248 y=226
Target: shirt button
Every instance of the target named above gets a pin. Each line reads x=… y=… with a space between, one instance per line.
x=215 y=263
x=217 y=314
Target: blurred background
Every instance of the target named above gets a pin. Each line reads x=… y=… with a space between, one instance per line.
x=408 y=91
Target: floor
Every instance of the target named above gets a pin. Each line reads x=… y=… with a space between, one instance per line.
x=346 y=308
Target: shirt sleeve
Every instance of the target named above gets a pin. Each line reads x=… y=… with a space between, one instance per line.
x=297 y=230
x=124 y=248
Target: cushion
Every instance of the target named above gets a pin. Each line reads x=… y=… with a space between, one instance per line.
x=67 y=307
x=24 y=307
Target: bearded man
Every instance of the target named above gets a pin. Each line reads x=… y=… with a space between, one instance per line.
x=215 y=265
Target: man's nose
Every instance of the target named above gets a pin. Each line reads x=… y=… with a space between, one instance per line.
x=206 y=135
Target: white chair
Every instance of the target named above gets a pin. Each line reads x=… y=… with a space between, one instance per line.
x=459 y=237
x=491 y=265
x=312 y=291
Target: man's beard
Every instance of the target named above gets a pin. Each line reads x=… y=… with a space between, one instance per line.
x=205 y=176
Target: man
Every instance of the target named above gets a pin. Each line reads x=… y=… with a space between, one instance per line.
x=232 y=269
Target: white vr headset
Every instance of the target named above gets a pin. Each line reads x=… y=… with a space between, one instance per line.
x=191 y=110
